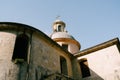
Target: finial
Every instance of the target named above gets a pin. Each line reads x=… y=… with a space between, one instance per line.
x=58 y=17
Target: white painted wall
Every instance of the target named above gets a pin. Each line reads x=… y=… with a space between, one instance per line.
x=104 y=63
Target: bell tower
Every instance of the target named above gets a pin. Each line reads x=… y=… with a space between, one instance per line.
x=63 y=38
x=58 y=26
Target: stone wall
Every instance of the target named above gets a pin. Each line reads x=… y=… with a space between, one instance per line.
x=43 y=56
x=43 y=59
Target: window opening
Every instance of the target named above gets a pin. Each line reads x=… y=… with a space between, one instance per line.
x=63 y=65
x=21 y=48
x=84 y=68
x=59 y=28
x=65 y=46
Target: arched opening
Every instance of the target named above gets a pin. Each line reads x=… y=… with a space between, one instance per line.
x=59 y=28
x=84 y=68
x=63 y=65
x=21 y=48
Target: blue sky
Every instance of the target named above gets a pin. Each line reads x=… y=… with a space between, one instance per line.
x=91 y=22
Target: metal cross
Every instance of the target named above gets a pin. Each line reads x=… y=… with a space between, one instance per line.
x=58 y=17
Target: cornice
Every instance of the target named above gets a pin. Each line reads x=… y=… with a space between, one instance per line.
x=97 y=47
x=67 y=40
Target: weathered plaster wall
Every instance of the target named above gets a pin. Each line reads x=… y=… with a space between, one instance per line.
x=43 y=55
x=8 y=71
x=76 y=69
x=45 y=59
x=104 y=64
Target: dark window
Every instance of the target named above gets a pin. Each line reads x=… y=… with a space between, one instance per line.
x=65 y=46
x=59 y=28
x=21 y=48
x=63 y=65
x=84 y=68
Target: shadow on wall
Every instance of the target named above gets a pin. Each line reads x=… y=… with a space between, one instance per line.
x=93 y=76
x=110 y=76
x=87 y=73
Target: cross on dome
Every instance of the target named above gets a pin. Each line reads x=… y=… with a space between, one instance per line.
x=58 y=17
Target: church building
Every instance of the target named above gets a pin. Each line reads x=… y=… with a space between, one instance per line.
x=26 y=53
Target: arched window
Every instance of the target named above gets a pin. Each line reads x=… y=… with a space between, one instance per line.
x=63 y=65
x=84 y=67
x=59 y=28
x=21 y=48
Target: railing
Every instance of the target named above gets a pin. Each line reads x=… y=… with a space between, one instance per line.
x=57 y=76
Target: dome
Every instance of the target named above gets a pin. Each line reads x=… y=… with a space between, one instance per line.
x=61 y=35
x=59 y=22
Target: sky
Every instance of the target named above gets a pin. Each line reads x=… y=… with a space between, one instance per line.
x=90 y=22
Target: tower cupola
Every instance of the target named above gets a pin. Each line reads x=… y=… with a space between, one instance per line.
x=63 y=38
x=59 y=26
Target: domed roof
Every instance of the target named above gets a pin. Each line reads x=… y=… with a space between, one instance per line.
x=58 y=36
x=59 y=22
x=61 y=35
